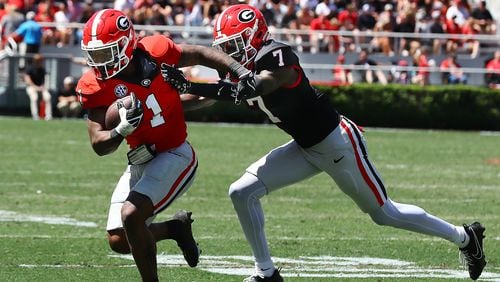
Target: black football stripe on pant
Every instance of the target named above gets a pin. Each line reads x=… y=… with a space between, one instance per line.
x=365 y=156
x=180 y=190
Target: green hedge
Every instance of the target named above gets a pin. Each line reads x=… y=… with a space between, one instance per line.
x=439 y=107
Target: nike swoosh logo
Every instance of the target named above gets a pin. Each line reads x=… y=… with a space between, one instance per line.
x=264 y=269
x=338 y=160
x=479 y=251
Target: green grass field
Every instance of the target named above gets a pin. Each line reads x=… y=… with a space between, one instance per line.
x=54 y=196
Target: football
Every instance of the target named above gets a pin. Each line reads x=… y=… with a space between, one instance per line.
x=112 y=118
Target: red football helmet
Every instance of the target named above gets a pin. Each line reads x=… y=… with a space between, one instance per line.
x=240 y=31
x=109 y=42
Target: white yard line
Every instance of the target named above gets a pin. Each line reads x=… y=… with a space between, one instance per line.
x=17 y=217
x=238 y=238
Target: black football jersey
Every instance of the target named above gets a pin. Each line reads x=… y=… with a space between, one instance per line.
x=300 y=110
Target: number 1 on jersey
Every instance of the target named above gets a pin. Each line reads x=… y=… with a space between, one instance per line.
x=153 y=105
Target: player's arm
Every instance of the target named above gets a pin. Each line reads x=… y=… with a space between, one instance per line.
x=210 y=57
x=268 y=81
x=223 y=63
x=221 y=90
x=103 y=141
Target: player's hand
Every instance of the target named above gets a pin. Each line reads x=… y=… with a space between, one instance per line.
x=227 y=89
x=175 y=77
x=129 y=118
x=245 y=87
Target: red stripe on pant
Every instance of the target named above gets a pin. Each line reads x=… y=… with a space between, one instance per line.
x=177 y=181
x=359 y=162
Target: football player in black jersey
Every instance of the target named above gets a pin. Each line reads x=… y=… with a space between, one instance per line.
x=323 y=141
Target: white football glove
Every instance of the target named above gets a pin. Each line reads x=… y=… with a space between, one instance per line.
x=129 y=118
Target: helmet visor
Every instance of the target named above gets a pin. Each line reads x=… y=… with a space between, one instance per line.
x=102 y=56
x=233 y=46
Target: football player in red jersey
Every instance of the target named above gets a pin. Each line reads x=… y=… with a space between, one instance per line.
x=162 y=164
x=323 y=141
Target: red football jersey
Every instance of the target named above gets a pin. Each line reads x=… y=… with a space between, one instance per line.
x=163 y=124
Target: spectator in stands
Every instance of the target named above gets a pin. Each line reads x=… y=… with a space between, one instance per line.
x=470 y=43
x=457 y=12
x=456 y=15
x=155 y=16
x=10 y=22
x=290 y=16
x=35 y=86
x=406 y=24
x=400 y=74
x=62 y=18
x=437 y=27
x=492 y=75
x=367 y=74
x=193 y=15
x=45 y=13
x=348 y=19
x=211 y=9
x=75 y=11
x=421 y=60
x=483 y=22
x=31 y=33
x=290 y=21
x=367 y=20
x=422 y=25
x=87 y=12
x=318 y=39
x=341 y=75
x=323 y=8
x=304 y=18
x=452 y=71
x=385 y=22
x=67 y=100
x=274 y=11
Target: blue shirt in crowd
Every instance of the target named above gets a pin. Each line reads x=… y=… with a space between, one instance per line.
x=31 y=31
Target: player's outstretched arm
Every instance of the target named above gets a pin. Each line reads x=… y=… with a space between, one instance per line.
x=269 y=81
x=222 y=90
x=210 y=57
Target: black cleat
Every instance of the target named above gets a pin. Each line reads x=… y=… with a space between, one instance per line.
x=276 y=277
x=185 y=240
x=472 y=255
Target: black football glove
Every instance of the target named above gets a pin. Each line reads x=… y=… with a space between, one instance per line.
x=175 y=77
x=129 y=118
x=227 y=89
x=245 y=88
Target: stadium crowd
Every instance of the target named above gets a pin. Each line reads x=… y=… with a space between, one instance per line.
x=348 y=23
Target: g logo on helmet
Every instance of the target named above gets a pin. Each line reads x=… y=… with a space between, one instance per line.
x=246 y=16
x=123 y=23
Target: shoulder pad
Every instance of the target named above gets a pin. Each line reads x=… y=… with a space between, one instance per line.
x=90 y=91
x=157 y=46
x=269 y=46
x=274 y=56
x=88 y=83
